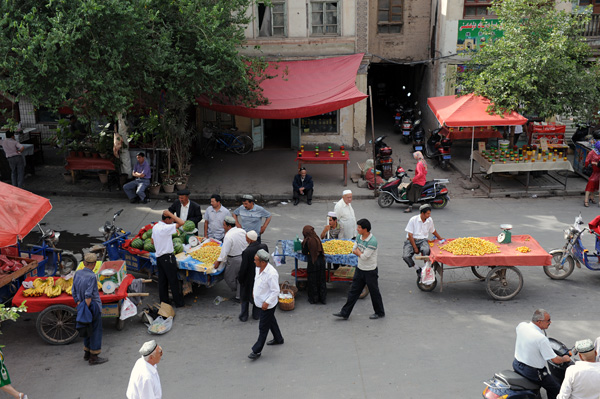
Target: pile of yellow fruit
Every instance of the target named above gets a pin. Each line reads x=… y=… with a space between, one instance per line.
x=523 y=249
x=211 y=244
x=49 y=287
x=470 y=246
x=286 y=300
x=207 y=254
x=338 y=247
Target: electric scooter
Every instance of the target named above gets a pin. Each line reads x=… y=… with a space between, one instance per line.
x=418 y=137
x=434 y=192
x=438 y=148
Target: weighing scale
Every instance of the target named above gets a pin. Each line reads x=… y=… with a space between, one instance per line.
x=110 y=281
x=506 y=235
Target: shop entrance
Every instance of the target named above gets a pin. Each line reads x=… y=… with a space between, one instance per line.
x=277 y=133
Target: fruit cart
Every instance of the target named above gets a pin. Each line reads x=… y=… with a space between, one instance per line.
x=57 y=315
x=11 y=277
x=502 y=278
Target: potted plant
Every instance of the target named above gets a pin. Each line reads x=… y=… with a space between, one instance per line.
x=103 y=177
x=168 y=185
x=180 y=184
x=154 y=189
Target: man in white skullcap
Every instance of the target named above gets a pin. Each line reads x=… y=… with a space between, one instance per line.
x=246 y=275
x=234 y=244
x=345 y=214
x=144 y=382
x=582 y=380
x=332 y=229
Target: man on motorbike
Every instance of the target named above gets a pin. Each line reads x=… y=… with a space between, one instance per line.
x=533 y=350
x=582 y=380
x=418 y=229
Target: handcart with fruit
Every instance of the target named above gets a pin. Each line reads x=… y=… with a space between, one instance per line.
x=489 y=259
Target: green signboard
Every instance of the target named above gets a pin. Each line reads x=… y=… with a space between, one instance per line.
x=470 y=34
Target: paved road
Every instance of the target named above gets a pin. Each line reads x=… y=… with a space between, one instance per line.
x=439 y=344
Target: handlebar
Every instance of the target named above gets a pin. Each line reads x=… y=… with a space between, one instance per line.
x=57 y=250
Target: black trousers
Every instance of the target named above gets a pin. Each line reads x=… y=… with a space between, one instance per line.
x=307 y=192
x=244 y=311
x=362 y=278
x=167 y=277
x=267 y=323
x=539 y=376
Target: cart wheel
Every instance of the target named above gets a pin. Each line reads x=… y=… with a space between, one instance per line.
x=364 y=293
x=504 y=282
x=56 y=325
x=68 y=263
x=425 y=287
x=556 y=271
x=479 y=272
x=120 y=324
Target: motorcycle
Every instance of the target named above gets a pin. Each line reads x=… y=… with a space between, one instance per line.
x=438 y=148
x=418 y=137
x=112 y=236
x=508 y=384
x=434 y=192
x=398 y=119
x=383 y=157
x=54 y=259
x=407 y=124
x=573 y=252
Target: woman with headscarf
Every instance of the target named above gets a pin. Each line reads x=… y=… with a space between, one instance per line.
x=415 y=188
x=312 y=247
x=593 y=158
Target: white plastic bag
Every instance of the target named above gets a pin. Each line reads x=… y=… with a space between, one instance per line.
x=160 y=325
x=128 y=309
x=427 y=274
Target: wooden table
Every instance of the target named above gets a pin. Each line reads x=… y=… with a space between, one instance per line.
x=309 y=157
x=77 y=163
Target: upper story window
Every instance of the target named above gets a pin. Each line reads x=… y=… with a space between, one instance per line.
x=389 y=16
x=477 y=9
x=324 y=17
x=271 y=20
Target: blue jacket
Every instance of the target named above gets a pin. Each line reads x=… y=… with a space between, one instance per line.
x=297 y=183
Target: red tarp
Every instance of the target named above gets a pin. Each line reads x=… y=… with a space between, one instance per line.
x=19 y=213
x=309 y=88
x=469 y=110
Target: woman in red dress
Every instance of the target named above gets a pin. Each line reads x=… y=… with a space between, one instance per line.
x=592 y=158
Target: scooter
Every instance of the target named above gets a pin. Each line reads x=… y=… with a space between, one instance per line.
x=383 y=158
x=434 y=192
x=398 y=119
x=51 y=258
x=573 y=252
x=418 y=137
x=438 y=148
x=407 y=124
x=113 y=237
x=508 y=384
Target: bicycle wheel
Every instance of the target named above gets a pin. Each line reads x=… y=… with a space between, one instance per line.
x=242 y=145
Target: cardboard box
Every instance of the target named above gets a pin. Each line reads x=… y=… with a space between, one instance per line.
x=110 y=309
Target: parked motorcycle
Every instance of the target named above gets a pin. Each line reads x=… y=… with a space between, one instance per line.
x=418 y=137
x=112 y=235
x=398 y=119
x=438 y=148
x=508 y=384
x=54 y=259
x=573 y=252
x=434 y=192
x=407 y=124
x=383 y=158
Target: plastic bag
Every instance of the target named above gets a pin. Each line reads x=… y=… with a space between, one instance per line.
x=278 y=257
x=160 y=325
x=427 y=274
x=128 y=309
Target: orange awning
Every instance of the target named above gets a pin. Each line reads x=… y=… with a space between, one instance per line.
x=470 y=110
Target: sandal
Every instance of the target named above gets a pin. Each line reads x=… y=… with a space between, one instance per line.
x=408 y=210
x=592 y=201
x=586 y=204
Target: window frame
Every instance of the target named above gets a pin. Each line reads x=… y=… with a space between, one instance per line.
x=474 y=5
x=387 y=24
x=273 y=27
x=324 y=10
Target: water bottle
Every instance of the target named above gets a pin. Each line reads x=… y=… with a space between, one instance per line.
x=218 y=300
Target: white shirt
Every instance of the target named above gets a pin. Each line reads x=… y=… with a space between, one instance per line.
x=597 y=346
x=346 y=218
x=144 y=382
x=266 y=287
x=419 y=229
x=582 y=381
x=234 y=243
x=184 y=211
x=532 y=346
x=161 y=234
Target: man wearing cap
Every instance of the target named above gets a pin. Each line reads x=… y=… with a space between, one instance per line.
x=136 y=189
x=302 y=185
x=533 y=350
x=345 y=214
x=332 y=228
x=186 y=209
x=582 y=380
x=85 y=293
x=234 y=244
x=162 y=233
x=249 y=216
x=418 y=230
x=144 y=382
x=247 y=273
x=266 y=294
x=214 y=217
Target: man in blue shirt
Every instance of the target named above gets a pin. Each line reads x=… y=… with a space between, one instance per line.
x=136 y=189
x=249 y=216
x=85 y=289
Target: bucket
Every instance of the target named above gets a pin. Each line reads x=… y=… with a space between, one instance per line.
x=503 y=145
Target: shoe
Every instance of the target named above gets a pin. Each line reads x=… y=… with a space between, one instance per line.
x=254 y=356
x=23 y=396
x=273 y=342
x=296 y=201
x=95 y=359
x=134 y=200
x=309 y=202
x=408 y=210
x=375 y=316
x=339 y=314
x=324 y=302
x=243 y=319
x=236 y=300
x=86 y=355
x=586 y=204
x=145 y=200
x=592 y=201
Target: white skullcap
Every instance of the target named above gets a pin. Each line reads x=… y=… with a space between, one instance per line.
x=347 y=192
x=252 y=235
x=148 y=348
x=332 y=214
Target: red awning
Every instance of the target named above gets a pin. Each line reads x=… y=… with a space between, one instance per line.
x=470 y=110
x=310 y=88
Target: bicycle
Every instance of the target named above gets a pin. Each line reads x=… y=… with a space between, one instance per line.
x=228 y=141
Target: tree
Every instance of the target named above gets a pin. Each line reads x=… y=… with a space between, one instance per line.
x=542 y=64
x=11 y=313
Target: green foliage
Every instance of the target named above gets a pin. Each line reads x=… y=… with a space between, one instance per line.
x=541 y=65
x=11 y=313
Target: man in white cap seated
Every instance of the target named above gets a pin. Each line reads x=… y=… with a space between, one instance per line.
x=345 y=215
x=332 y=229
x=234 y=244
x=144 y=382
x=582 y=380
x=246 y=275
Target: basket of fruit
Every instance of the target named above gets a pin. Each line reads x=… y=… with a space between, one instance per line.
x=286 y=300
x=286 y=286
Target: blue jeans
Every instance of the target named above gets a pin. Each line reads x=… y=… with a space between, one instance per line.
x=136 y=187
x=539 y=376
x=93 y=344
x=17 y=167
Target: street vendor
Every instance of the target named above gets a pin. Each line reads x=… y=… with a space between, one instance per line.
x=418 y=230
x=165 y=258
x=249 y=216
x=345 y=214
x=234 y=244
x=246 y=276
x=333 y=228
x=186 y=209
x=213 y=218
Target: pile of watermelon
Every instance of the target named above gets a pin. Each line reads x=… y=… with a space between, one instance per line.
x=145 y=242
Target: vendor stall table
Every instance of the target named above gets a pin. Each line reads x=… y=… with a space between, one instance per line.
x=466 y=133
x=525 y=166
x=194 y=271
x=77 y=163
x=309 y=157
x=503 y=280
x=10 y=283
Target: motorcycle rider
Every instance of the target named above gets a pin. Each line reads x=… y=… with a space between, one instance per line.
x=418 y=229
x=582 y=380
x=415 y=188
x=533 y=350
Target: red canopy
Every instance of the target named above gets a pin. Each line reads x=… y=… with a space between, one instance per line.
x=470 y=110
x=20 y=211
x=309 y=88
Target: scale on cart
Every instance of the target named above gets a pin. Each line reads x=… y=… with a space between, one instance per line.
x=111 y=274
x=506 y=236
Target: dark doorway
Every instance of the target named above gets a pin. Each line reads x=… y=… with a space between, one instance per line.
x=277 y=133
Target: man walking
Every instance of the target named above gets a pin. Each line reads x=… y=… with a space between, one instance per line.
x=249 y=216
x=85 y=294
x=582 y=380
x=302 y=185
x=16 y=160
x=246 y=275
x=418 y=230
x=165 y=259
x=144 y=382
x=266 y=294
x=234 y=244
x=214 y=217
x=136 y=189
x=186 y=209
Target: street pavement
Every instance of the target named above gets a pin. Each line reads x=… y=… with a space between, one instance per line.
x=436 y=344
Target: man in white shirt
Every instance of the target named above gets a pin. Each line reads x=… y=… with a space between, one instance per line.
x=582 y=380
x=533 y=350
x=345 y=214
x=165 y=259
x=266 y=294
x=418 y=230
x=214 y=217
x=144 y=382
x=234 y=244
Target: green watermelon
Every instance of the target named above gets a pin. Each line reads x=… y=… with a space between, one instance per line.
x=189 y=226
x=176 y=234
x=177 y=240
x=178 y=247
x=148 y=246
x=137 y=243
